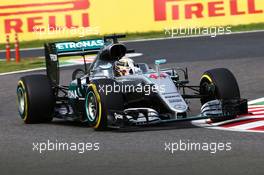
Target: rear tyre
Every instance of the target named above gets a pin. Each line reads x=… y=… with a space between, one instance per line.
x=35 y=99
x=218 y=83
x=98 y=104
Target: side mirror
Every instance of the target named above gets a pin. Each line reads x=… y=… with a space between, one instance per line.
x=158 y=63
x=161 y=61
x=78 y=73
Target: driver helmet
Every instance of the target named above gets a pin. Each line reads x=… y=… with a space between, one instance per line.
x=125 y=66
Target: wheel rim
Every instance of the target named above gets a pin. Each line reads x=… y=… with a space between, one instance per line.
x=91 y=106
x=21 y=101
x=208 y=89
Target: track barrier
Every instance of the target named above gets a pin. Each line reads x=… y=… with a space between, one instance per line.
x=8 y=51
x=17 y=51
x=8 y=48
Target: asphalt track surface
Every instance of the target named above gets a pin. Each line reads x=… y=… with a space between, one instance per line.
x=142 y=152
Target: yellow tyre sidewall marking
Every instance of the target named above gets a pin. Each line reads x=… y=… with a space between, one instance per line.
x=26 y=100
x=93 y=86
x=207 y=77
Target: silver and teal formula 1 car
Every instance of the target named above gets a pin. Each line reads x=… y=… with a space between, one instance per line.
x=102 y=98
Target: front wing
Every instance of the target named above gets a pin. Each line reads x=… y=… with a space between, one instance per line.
x=214 y=110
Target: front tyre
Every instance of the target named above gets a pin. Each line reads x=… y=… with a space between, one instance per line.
x=95 y=112
x=35 y=99
x=220 y=84
x=100 y=104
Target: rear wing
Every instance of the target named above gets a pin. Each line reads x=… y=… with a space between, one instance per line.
x=83 y=47
x=71 y=48
x=53 y=51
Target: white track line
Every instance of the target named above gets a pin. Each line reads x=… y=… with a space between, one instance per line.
x=32 y=70
x=256 y=101
x=25 y=49
x=259 y=112
x=22 y=71
x=204 y=124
